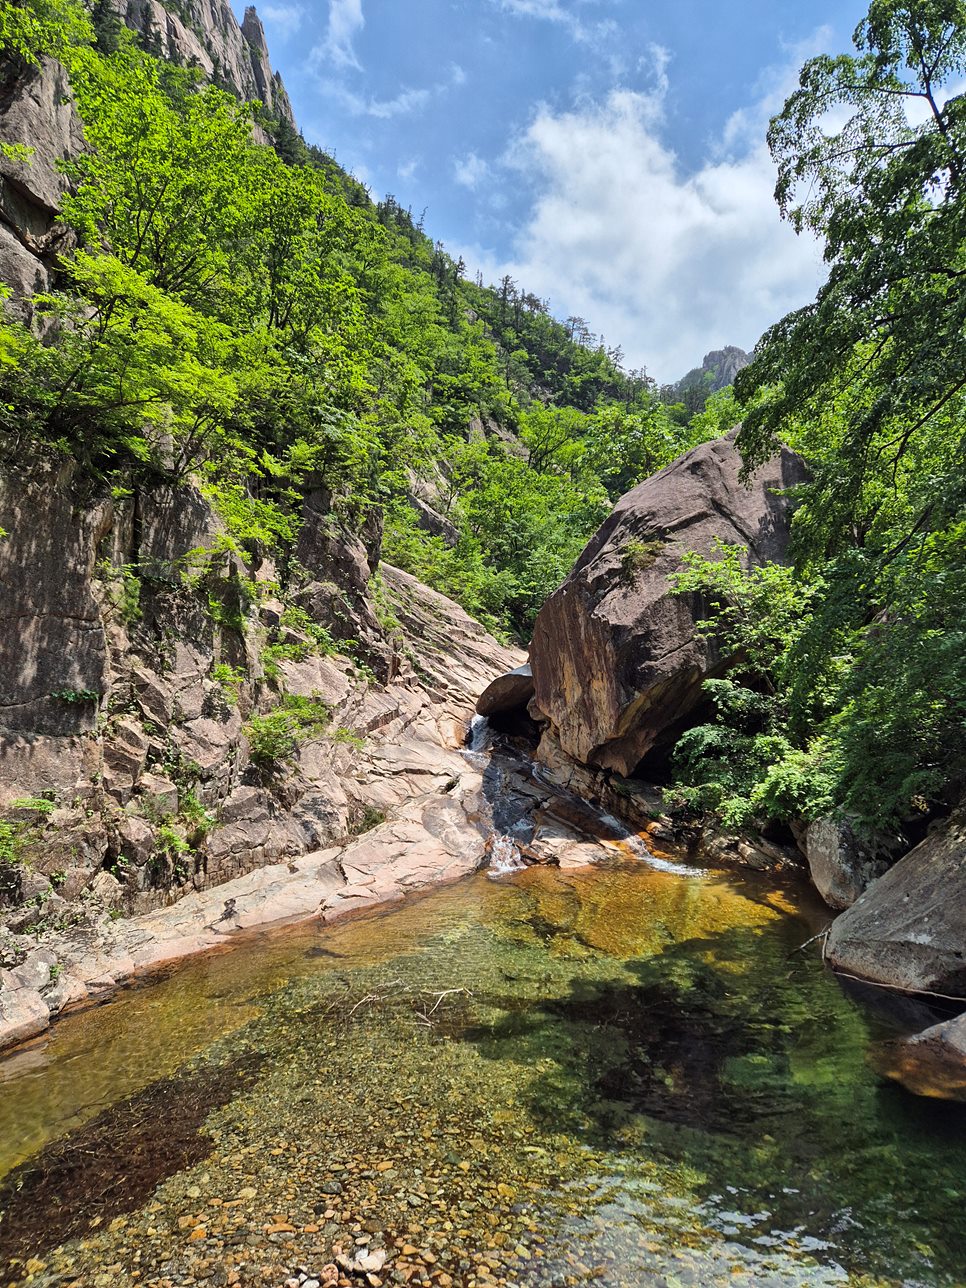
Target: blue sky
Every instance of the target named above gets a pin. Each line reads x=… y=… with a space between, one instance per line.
x=607 y=153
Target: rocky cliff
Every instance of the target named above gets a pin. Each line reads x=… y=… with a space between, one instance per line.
x=170 y=717
x=718 y=370
x=206 y=34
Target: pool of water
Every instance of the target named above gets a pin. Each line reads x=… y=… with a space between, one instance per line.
x=617 y=1076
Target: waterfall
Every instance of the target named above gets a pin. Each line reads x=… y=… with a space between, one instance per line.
x=504 y=852
x=505 y=856
x=480 y=737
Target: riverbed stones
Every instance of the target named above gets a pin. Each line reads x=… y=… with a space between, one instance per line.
x=908 y=930
x=617 y=661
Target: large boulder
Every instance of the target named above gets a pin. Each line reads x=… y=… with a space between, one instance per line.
x=909 y=928
x=841 y=866
x=615 y=655
x=507 y=692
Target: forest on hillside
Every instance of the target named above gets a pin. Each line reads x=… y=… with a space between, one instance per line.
x=245 y=315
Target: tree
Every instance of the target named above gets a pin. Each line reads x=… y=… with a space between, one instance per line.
x=869 y=382
x=885 y=192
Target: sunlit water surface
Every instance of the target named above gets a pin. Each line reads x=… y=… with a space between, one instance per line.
x=620 y=1076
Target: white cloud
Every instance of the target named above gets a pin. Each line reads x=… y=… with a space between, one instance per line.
x=667 y=263
x=558 y=12
x=407 y=169
x=283 y=19
x=382 y=109
x=346 y=20
x=470 y=171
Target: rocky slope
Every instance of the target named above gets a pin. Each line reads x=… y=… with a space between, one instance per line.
x=130 y=774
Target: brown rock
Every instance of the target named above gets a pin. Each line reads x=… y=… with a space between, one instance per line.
x=136 y=840
x=507 y=692
x=160 y=796
x=616 y=661
x=908 y=929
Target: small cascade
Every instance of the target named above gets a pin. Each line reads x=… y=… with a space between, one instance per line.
x=479 y=740
x=636 y=844
x=505 y=856
x=481 y=734
x=599 y=825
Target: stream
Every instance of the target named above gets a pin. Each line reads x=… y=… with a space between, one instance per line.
x=626 y=1074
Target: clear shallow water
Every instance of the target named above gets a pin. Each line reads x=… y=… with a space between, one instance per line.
x=618 y=1076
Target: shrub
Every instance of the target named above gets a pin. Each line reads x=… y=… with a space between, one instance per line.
x=277 y=735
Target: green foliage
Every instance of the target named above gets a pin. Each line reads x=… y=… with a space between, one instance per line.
x=39 y=804
x=231 y=679
x=867 y=382
x=276 y=736
x=244 y=317
x=749 y=762
x=30 y=29
x=9 y=843
x=76 y=697
x=637 y=557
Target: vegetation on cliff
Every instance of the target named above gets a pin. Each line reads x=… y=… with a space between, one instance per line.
x=851 y=690
x=246 y=315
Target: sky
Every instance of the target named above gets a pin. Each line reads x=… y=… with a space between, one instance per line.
x=608 y=154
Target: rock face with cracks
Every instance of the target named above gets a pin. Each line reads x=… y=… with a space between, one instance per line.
x=908 y=930
x=616 y=659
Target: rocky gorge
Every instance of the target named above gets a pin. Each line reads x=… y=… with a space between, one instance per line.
x=621 y=1043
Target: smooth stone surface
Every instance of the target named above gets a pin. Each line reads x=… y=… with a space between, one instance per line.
x=507 y=692
x=909 y=928
x=841 y=868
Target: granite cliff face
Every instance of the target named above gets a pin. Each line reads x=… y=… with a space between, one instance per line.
x=616 y=660
x=718 y=370
x=136 y=661
x=206 y=34
x=36 y=110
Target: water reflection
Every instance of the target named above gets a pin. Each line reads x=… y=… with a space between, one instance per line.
x=679 y=1094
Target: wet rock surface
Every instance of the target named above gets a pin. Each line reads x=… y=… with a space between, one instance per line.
x=616 y=661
